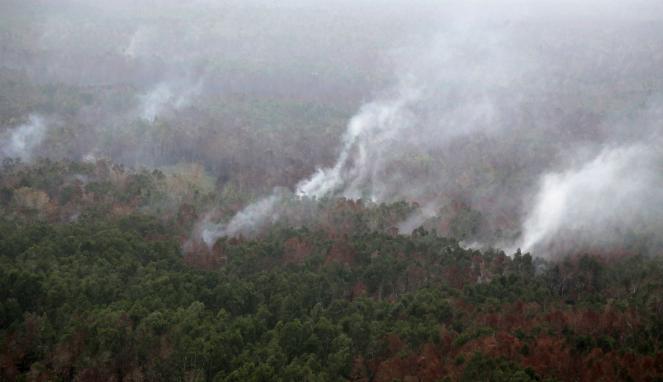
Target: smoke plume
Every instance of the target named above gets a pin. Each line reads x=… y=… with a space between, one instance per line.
x=247 y=221
x=537 y=122
x=167 y=97
x=22 y=141
x=599 y=205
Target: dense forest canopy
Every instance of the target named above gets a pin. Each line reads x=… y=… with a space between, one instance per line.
x=322 y=191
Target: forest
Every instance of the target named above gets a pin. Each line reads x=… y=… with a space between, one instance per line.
x=112 y=295
x=311 y=190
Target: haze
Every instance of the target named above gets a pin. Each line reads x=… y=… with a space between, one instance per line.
x=540 y=119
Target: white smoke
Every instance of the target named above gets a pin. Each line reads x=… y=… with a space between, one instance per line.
x=448 y=88
x=596 y=205
x=245 y=222
x=140 y=43
x=21 y=141
x=168 y=96
x=166 y=49
x=132 y=49
x=369 y=134
x=418 y=218
x=489 y=104
x=155 y=101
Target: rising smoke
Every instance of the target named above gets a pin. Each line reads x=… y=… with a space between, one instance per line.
x=600 y=205
x=23 y=140
x=542 y=118
x=167 y=97
x=527 y=116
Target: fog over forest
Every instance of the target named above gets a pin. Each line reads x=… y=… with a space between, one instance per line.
x=537 y=124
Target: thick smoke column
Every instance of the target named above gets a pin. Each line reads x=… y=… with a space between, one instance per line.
x=373 y=127
x=21 y=141
x=369 y=134
x=597 y=205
